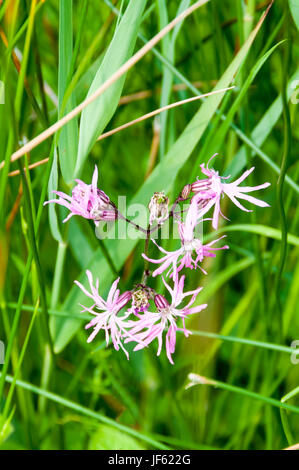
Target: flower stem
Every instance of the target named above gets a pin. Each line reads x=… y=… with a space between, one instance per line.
x=108 y=258
x=146 y=271
x=200 y=380
x=62 y=246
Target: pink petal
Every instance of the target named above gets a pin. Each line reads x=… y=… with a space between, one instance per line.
x=95 y=179
x=243 y=177
x=253 y=200
x=249 y=189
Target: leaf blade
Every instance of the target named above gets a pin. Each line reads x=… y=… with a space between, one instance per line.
x=97 y=115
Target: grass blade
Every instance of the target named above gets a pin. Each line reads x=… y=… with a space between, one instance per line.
x=86 y=411
x=95 y=118
x=68 y=139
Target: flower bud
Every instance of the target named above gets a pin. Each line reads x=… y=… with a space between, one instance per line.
x=124 y=299
x=186 y=191
x=101 y=196
x=161 y=302
x=200 y=185
x=158 y=208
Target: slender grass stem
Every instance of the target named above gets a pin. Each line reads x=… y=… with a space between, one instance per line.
x=21 y=78
x=199 y=380
x=15 y=324
x=58 y=272
x=86 y=411
x=146 y=271
x=108 y=258
x=284 y=418
x=17 y=370
x=32 y=239
x=249 y=342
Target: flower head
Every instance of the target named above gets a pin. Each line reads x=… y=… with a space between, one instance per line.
x=151 y=325
x=209 y=192
x=106 y=315
x=140 y=299
x=87 y=201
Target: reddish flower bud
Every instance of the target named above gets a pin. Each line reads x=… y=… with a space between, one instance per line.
x=161 y=302
x=186 y=191
x=200 y=185
x=123 y=299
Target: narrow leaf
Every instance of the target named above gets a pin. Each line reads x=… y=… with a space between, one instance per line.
x=68 y=139
x=294 y=7
x=97 y=115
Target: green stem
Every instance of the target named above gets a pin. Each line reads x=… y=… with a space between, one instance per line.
x=86 y=411
x=23 y=28
x=249 y=342
x=15 y=323
x=33 y=243
x=108 y=257
x=17 y=370
x=61 y=252
x=24 y=404
x=45 y=378
x=284 y=419
x=146 y=272
x=199 y=380
x=22 y=74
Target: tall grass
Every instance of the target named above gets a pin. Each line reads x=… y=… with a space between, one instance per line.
x=74 y=72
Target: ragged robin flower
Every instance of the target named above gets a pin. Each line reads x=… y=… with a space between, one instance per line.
x=87 y=201
x=152 y=325
x=210 y=190
x=106 y=312
x=191 y=252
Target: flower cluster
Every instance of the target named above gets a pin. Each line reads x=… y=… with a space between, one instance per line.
x=143 y=315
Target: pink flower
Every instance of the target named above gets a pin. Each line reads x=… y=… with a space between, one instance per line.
x=152 y=325
x=190 y=246
x=87 y=201
x=108 y=320
x=209 y=192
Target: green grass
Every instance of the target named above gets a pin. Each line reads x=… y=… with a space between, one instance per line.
x=57 y=391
